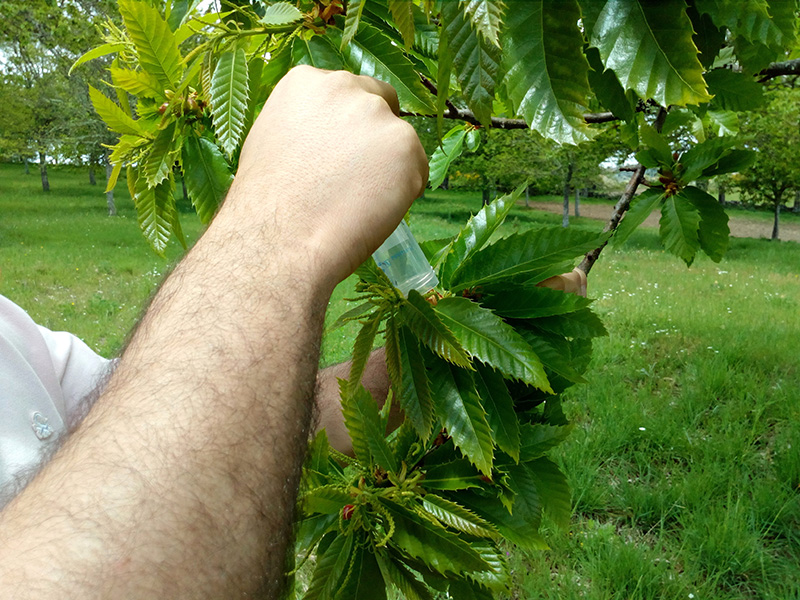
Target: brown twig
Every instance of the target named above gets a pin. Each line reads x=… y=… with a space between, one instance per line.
x=623 y=203
x=788 y=67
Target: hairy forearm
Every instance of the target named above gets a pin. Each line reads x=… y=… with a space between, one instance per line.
x=182 y=479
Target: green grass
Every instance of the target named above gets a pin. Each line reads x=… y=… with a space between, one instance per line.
x=685 y=459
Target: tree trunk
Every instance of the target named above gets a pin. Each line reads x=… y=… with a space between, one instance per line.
x=112 y=208
x=721 y=194
x=775 y=225
x=577 y=202
x=446 y=183
x=185 y=191
x=92 y=180
x=485 y=195
x=27 y=166
x=528 y=197
x=567 y=180
x=43 y=171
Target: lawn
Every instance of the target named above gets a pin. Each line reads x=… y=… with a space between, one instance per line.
x=684 y=462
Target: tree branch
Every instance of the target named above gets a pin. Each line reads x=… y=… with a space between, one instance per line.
x=623 y=203
x=779 y=69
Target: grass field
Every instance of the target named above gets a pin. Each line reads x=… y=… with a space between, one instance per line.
x=685 y=459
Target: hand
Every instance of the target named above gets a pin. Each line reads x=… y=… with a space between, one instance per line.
x=569 y=283
x=340 y=166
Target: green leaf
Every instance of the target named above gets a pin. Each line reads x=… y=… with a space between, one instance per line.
x=112 y=180
x=456 y=516
x=423 y=321
x=466 y=590
x=155 y=42
x=454 y=475
x=281 y=13
x=521 y=527
x=351 y=315
x=362 y=349
x=319 y=52
x=326 y=500
x=679 y=223
x=531 y=302
x=330 y=569
x=607 y=87
x=476 y=62
x=546 y=70
x=138 y=83
x=581 y=323
x=714 y=233
x=364 y=579
x=444 y=72
x=414 y=393
x=734 y=91
x=364 y=425
x=733 y=161
x=723 y=122
x=488 y=338
x=207 y=175
x=158 y=164
x=433 y=545
x=403 y=579
x=552 y=357
x=649 y=46
x=403 y=15
x=553 y=489
x=352 y=20
x=373 y=54
x=538 y=439
x=450 y=149
x=434 y=249
x=526 y=253
x=749 y=19
x=640 y=208
x=499 y=409
x=658 y=145
x=477 y=232
x=486 y=17
x=229 y=94
x=458 y=407
x=499 y=577
x=116 y=118
x=156 y=211
x=708 y=38
x=102 y=50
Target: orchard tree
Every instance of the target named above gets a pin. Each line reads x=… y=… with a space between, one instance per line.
x=479 y=363
x=774 y=134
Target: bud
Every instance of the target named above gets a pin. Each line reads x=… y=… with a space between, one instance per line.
x=347 y=512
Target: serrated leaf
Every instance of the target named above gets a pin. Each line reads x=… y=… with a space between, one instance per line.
x=531 y=302
x=364 y=579
x=499 y=577
x=454 y=475
x=734 y=91
x=749 y=19
x=403 y=15
x=373 y=54
x=281 y=13
x=713 y=233
x=607 y=87
x=723 y=122
x=229 y=95
x=640 y=208
x=403 y=579
x=414 y=392
x=102 y=50
x=487 y=337
x=319 y=51
x=330 y=569
x=499 y=409
x=207 y=175
x=158 y=164
x=520 y=527
x=155 y=208
x=459 y=408
x=351 y=315
x=435 y=546
x=581 y=323
x=476 y=233
x=708 y=38
x=426 y=325
x=155 y=42
x=114 y=117
x=678 y=228
x=456 y=516
x=731 y=162
x=649 y=46
x=553 y=490
x=326 y=499
x=364 y=426
x=450 y=149
x=466 y=590
x=444 y=72
x=554 y=360
x=138 y=83
x=362 y=348
x=526 y=253
x=658 y=145
x=538 y=439
x=434 y=249
x=352 y=20
x=486 y=17
x=546 y=70
x=476 y=62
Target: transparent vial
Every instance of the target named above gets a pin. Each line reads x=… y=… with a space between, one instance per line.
x=404 y=263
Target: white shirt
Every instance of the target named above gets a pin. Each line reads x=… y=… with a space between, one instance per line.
x=44 y=376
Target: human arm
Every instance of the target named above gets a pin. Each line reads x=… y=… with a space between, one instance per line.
x=181 y=482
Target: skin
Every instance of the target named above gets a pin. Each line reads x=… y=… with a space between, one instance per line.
x=181 y=481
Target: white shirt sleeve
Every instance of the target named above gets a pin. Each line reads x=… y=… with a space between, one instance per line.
x=44 y=375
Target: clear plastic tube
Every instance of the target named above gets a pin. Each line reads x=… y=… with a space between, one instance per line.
x=404 y=263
